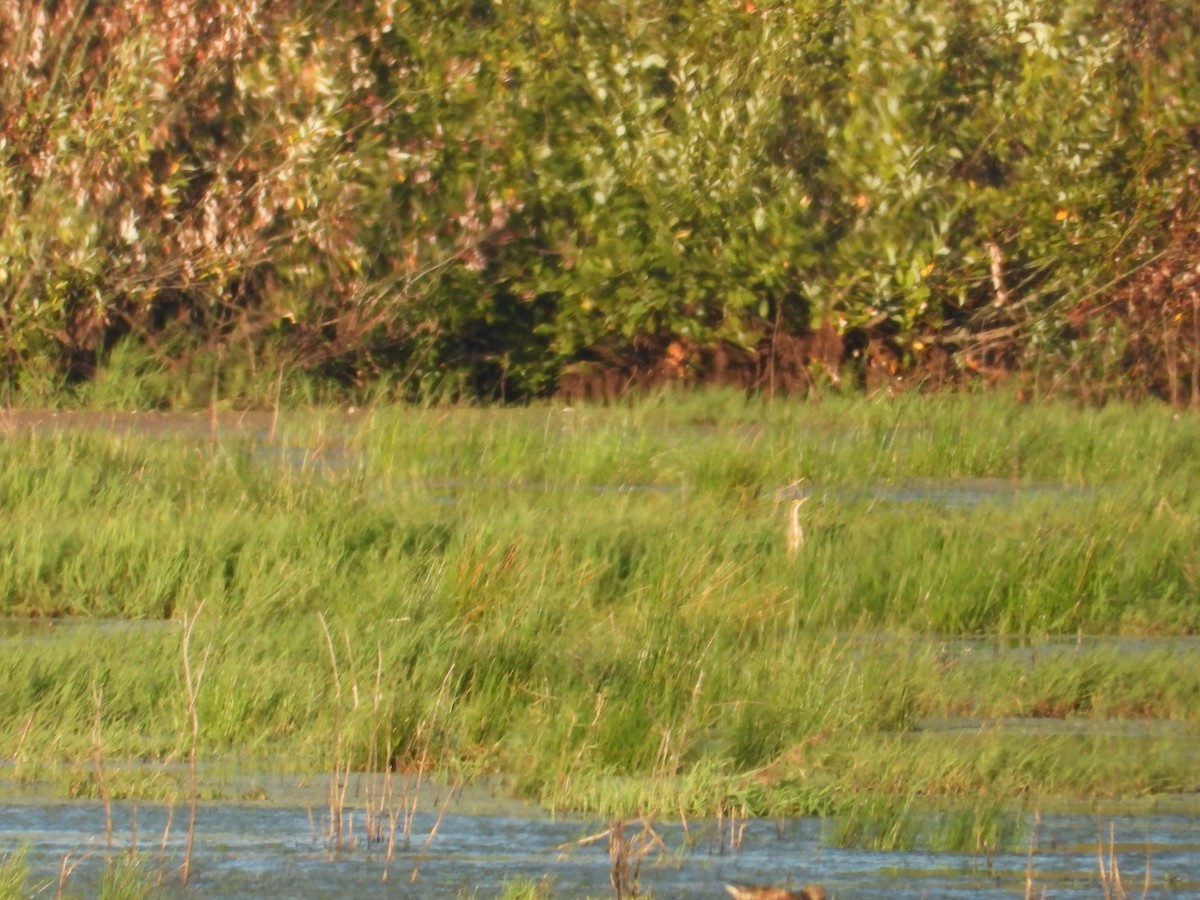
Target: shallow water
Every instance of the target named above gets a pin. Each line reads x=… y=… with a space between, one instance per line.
x=255 y=432
x=25 y=629
x=277 y=845
x=951 y=493
x=268 y=850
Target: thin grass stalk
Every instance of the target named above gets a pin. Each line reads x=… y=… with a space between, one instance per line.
x=191 y=682
x=683 y=824
x=389 y=852
x=339 y=827
x=375 y=801
x=445 y=805
x=275 y=406
x=336 y=793
x=671 y=751
x=428 y=723
x=65 y=869
x=98 y=764
x=213 y=418
x=437 y=824
x=423 y=760
x=738 y=833
x=1109 y=882
x=576 y=764
x=1029 y=888
x=349 y=831
x=1114 y=865
x=731 y=827
x=162 y=845
x=405 y=815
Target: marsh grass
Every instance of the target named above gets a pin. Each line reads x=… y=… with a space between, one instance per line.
x=126 y=878
x=119 y=871
x=598 y=604
x=396 y=776
x=526 y=889
x=14 y=875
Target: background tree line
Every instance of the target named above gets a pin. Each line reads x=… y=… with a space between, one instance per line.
x=486 y=198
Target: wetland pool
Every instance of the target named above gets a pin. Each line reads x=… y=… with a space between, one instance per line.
x=266 y=834
x=280 y=846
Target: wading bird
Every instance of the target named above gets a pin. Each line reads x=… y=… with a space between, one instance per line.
x=795 y=538
x=750 y=892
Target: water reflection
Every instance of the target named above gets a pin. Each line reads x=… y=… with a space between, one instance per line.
x=261 y=850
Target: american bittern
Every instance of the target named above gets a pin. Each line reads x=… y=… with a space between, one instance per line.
x=795 y=538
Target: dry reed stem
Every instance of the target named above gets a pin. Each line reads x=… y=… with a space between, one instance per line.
x=734 y=824
x=162 y=847
x=393 y=822
x=627 y=860
x=623 y=865
x=625 y=854
x=64 y=872
x=437 y=823
x=338 y=834
x=1110 y=875
x=1111 y=881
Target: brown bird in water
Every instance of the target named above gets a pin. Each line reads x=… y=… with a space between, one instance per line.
x=750 y=892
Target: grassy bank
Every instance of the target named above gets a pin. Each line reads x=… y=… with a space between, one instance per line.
x=598 y=604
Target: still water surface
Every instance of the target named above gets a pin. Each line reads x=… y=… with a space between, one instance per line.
x=269 y=835
x=276 y=849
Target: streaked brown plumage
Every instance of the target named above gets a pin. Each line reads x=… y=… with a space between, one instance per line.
x=795 y=537
x=750 y=892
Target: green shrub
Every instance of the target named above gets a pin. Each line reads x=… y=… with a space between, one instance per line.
x=465 y=198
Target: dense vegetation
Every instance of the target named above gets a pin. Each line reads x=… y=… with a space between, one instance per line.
x=598 y=605
x=495 y=199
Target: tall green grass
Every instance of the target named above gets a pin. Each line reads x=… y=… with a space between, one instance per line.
x=596 y=604
x=14 y=876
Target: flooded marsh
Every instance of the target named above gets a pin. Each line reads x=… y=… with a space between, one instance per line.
x=985 y=643
x=276 y=848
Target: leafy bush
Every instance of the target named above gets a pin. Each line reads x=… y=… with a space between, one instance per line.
x=472 y=195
